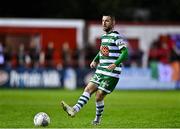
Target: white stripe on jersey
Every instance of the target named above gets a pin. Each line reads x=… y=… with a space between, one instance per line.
x=117 y=68
x=107 y=73
x=113 y=47
x=114 y=54
x=107 y=61
x=108 y=40
x=111 y=54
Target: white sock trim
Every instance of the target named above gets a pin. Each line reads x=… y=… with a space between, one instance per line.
x=100 y=103
x=87 y=94
x=76 y=107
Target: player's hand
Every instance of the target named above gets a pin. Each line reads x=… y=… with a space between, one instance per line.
x=93 y=64
x=111 y=67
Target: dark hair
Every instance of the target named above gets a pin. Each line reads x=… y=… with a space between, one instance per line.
x=110 y=15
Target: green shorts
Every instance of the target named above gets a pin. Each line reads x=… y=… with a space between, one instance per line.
x=105 y=83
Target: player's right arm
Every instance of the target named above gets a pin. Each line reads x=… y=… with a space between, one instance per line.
x=95 y=61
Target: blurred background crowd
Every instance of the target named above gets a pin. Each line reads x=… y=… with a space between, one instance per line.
x=166 y=49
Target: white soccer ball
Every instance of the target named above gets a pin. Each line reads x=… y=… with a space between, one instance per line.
x=41 y=119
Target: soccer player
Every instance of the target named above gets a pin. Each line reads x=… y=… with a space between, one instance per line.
x=108 y=63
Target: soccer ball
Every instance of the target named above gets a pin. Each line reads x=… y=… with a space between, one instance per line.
x=41 y=119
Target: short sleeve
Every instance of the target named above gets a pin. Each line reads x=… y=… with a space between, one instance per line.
x=121 y=42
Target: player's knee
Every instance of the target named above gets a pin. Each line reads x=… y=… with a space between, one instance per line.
x=87 y=89
x=99 y=96
x=90 y=89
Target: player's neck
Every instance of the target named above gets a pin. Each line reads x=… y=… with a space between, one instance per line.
x=109 y=31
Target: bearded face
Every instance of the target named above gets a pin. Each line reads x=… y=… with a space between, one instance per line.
x=107 y=23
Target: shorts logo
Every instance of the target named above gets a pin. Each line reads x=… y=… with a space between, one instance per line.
x=104 y=50
x=105 y=84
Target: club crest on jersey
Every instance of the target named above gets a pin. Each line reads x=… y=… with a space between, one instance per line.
x=104 y=50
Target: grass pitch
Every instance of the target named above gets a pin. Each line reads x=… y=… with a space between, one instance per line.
x=123 y=109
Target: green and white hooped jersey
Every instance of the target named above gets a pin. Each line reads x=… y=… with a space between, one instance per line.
x=110 y=50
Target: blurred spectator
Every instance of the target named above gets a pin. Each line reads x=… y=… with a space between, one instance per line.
x=153 y=59
x=66 y=55
x=34 y=54
x=76 y=54
x=81 y=58
x=164 y=68
x=7 y=55
x=159 y=56
x=42 y=59
x=90 y=52
x=153 y=52
x=21 y=55
x=49 y=53
x=175 y=59
x=14 y=60
x=164 y=50
x=135 y=56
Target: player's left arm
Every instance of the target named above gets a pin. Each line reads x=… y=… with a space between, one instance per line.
x=122 y=44
x=123 y=56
